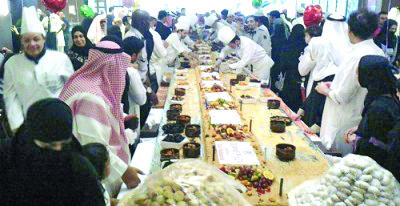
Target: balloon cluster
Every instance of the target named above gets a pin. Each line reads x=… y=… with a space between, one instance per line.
x=55 y=5
x=87 y=12
x=312 y=15
x=260 y=3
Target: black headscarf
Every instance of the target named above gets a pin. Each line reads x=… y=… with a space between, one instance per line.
x=296 y=38
x=374 y=74
x=386 y=37
x=115 y=30
x=84 y=51
x=42 y=176
x=49 y=120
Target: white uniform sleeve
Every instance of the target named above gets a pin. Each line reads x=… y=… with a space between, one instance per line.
x=175 y=43
x=307 y=62
x=189 y=41
x=348 y=86
x=244 y=60
x=13 y=105
x=67 y=71
x=224 y=52
x=137 y=92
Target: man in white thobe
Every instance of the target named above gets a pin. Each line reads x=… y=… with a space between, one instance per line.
x=345 y=100
x=250 y=53
x=35 y=74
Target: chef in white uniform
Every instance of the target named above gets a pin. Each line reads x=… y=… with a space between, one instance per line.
x=250 y=53
x=345 y=100
x=212 y=21
x=175 y=41
x=35 y=74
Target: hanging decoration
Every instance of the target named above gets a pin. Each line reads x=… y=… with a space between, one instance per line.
x=265 y=3
x=136 y=6
x=128 y=3
x=257 y=3
x=87 y=12
x=55 y=5
x=312 y=15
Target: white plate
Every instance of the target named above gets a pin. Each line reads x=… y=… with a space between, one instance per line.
x=167 y=145
x=238 y=87
x=183 y=86
x=214 y=96
x=181 y=77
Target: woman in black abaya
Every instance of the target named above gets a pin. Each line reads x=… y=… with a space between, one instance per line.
x=286 y=80
x=378 y=133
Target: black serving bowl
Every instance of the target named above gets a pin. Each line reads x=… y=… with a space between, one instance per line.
x=172 y=128
x=168 y=154
x=241 y=77
x=285 y=152
x=183 y=119
x=177 y=107
x=191 y=150
x=172 y=115
x=234 y=82
x=192 y=130
x=274 y=104
x=277 y=126
x=287 y=120
x=180 y=92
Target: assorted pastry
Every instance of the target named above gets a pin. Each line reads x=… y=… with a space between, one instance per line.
x=229 y=132
x=221 y=104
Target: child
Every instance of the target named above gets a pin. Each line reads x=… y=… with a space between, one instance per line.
x=98 y=155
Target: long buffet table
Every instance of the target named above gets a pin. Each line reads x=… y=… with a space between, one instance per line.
x=309 y=162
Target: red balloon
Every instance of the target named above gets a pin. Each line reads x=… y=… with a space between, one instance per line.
x=312 y=15
x=55 y=5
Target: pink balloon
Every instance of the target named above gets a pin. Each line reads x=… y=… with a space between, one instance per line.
x=55 y=5
x=128 y=3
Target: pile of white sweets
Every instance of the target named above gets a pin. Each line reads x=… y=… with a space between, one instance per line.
x=354 y=181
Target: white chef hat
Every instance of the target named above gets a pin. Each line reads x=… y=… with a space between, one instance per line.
x=182 y=26
x=226 y=35
x=210 y=20
x=30 y=21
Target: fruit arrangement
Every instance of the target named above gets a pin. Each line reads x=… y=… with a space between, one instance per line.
x=221 y=104
x=230 y=132
x=186 y=182
x=214 y=88
x=251 y=177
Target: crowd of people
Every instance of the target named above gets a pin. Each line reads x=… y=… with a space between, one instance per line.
x=75 y=113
